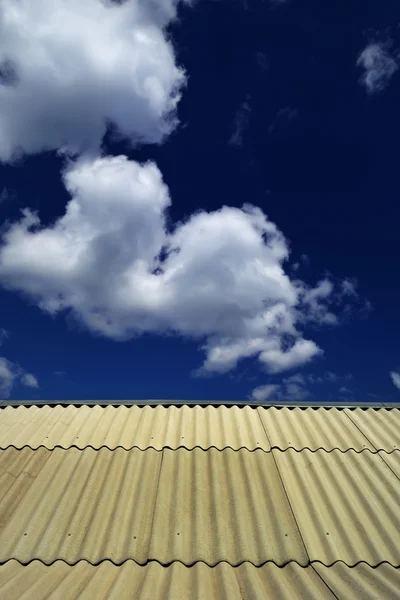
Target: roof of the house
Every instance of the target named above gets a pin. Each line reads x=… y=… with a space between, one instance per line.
x=215 y=502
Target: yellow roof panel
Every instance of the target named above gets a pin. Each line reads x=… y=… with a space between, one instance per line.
x=82 y=504
x=155 y=582
x=142 y=427
x=130 y=581
x=381 y=426
x=147 y=505
x=345 y=504
x=312 y=428
x=361 y=582
x=223 y=506
x=392 y=459
x=204 y=502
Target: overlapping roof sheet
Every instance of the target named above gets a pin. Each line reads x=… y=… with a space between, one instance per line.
x=201 y=502
x=201 y=426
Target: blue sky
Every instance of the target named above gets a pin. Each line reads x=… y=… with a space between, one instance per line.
x=125 y=128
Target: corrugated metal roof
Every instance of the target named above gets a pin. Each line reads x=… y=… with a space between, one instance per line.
x=154 y=582
x=128 y=427
x=312 y=428
x=345 y=504
x=200 y=402
x=361 y=582
x=205 y=427
x=380 y=427
x=210 y=502
x=97 y=505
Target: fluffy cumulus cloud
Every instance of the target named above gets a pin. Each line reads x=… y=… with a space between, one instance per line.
x=115 y=262
x=379 y=66
x=71 y=68
x=395 y=377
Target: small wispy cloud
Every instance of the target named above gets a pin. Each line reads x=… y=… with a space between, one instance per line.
x=345 y=390
x=241 y=122
x=349 y=287
x=276 y=3
x=379 y=66
x=4 y=195
x=29 y=380
x=282 y=117
x=296 y=388
x=262 y=61
x=303 y=262
x=265 y=392
x=395 y=376
x=12 y=373
x=59 y=373
x=329 y=377
x=291 y=389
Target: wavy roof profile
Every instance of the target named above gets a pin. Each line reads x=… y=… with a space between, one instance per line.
x=161 y=502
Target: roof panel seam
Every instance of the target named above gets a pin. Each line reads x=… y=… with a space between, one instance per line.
x=236 y=565
x=360 y=430
x=388 y=465
x=156 y=497
x=324 y=582
x=284 y=489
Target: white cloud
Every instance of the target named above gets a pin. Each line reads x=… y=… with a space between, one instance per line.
x=264 y=392
x=68 y=68
x=296 y=378
x=4 y=195
x=295 y=387
x=345 y=390
x=328 y=377
x=241 y=122
x=379 y=66
x=291 y=389
x=299 y=354
x=29 y=380
x=10 y=374
x=282 y=118
x=219 y=277
x=349 y=287
x=395 y=376
x=294 y=392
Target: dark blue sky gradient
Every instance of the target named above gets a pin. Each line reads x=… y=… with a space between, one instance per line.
x=318 y=154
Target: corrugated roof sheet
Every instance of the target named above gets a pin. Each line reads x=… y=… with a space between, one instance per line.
x=345 y=504
x=129 y=427
x=381 y=427
x=200 y=582
x=97 y=505
x=154 y=582
x=312 y=428
x=205 y=427
x=210 y=502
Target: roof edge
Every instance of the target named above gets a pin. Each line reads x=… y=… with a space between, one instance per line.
x=164 y=402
